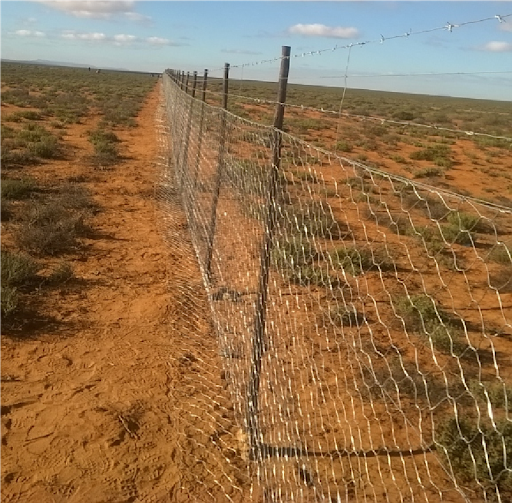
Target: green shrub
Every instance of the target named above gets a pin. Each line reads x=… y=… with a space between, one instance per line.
x=33 y=132
x=462 y=449
x=102 y=136
x=10 y=301
x=356 y=261
x=17 y=189
x=453 y=234
x=416 y=310
x=293 y=253
x=439 y=154
x=399 y=159
x=46 y=148
x=499 y=395
x=421 y=315
x=467 y=222
x=49 y=229
x=501 y=253
x=429 y=172
x=24 y=114
x=403 y=115
x=17 y=270
x=106 y=151
x=61 y=273
x=344 y=146
x=12 y=158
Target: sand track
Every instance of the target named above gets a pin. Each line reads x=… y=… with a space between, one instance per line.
x=95 y=396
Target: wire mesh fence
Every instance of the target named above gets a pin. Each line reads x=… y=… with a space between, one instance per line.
x=363 y=320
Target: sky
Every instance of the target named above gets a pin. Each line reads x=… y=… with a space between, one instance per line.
x=355 y=39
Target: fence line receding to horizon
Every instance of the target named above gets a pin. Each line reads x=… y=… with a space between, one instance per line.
x=363 y=318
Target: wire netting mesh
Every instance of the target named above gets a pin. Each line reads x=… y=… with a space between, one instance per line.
x=383 y=371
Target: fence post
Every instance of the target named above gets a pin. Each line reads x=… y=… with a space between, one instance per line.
x=182 y=80
x=218 y=179
x=259 y=344
x=184 y=160
x=194 y=85
x=200 y=132
x=186 y=82
x=203 y=95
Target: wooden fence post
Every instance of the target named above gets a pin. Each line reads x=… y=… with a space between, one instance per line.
x=259 y=343
x=218 y=179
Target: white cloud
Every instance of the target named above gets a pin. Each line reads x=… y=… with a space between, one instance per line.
x=495 y=46
x=97 y=9
x=158 y=41
x=121 y=39
x=124 y=39
x=92 y=36
x=321 y=30
x=29 y=33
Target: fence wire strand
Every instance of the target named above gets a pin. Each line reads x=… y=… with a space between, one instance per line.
x=385 y=372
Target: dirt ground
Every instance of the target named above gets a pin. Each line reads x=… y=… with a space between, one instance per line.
x=115 y=391
x=102 y=400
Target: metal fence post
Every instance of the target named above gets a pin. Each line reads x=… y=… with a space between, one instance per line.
x=200 y=132
x=194 y=85
x=218 y=179
x=184 y=160
x=259 y=345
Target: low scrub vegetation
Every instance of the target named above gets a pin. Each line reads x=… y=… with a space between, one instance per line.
x=49 y=229
x=18 y=272
x=356 y=261
x=478 y=454
x=106 y=151
x=421 y=315
x=17 y=189
x=43 y=219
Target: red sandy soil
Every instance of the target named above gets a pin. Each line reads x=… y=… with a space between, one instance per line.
x=115 y=393
x=98 y=388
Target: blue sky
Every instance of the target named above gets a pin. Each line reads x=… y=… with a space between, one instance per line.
x=154 y=35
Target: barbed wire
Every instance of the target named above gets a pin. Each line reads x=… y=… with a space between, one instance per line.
x=358 y=164
x=381 y=120
x=445 y=27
